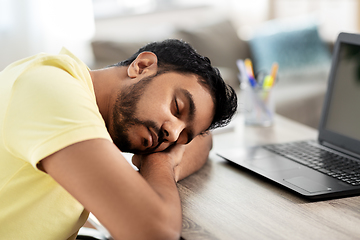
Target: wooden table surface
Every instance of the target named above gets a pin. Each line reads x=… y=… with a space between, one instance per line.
x=222 y=201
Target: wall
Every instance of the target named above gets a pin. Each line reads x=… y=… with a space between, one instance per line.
x=31 y=26
x=28 y=27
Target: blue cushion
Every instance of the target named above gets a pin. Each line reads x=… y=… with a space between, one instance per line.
x=293 y=48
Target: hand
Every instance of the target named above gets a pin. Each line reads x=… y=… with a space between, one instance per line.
x=172 y=155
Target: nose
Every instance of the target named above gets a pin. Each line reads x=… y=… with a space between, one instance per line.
x=174 y=131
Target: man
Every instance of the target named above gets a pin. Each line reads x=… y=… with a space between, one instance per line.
x=63 y=128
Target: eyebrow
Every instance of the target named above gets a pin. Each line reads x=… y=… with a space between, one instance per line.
x=192 y=111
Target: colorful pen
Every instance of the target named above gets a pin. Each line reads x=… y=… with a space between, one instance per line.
x=268 y=82
x=249 y=67
x=270 y=79
x=250 y=72
x=241 y=65
x=274 y=70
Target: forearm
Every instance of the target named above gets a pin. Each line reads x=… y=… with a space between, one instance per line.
x=159 y=173
x=98 y=176
x=195 y=156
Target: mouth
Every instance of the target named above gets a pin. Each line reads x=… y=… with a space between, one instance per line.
x=153 y=141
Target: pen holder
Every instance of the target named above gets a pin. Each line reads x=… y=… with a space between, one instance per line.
x=259 y=106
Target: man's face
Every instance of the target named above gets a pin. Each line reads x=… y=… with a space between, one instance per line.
x=156 y=112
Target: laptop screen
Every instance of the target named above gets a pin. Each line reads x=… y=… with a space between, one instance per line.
x=340 y=123
x=344 y=109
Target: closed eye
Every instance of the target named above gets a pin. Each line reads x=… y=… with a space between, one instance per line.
x=177 y=107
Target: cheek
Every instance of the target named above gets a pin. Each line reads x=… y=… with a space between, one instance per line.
x=152 y=107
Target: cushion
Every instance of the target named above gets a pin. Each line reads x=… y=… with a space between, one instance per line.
x=113 y=52
x=294 y=43
x=218 y=41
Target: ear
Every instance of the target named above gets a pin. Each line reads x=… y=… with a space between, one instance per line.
x=145 y=63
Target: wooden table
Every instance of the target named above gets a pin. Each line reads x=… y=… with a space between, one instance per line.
x=222 y=201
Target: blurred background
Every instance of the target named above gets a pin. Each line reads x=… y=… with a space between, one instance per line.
x=30 y=26
x=298 y=34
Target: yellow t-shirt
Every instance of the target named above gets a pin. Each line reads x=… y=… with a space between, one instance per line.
x=47 y=102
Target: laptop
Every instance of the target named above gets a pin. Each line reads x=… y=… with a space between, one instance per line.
x=328 y=167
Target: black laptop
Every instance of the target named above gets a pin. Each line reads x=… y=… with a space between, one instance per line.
x=328 y=167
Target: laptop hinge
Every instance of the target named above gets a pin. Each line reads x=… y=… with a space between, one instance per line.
x=357 y=156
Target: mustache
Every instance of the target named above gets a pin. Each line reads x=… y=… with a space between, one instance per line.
x=150 y=124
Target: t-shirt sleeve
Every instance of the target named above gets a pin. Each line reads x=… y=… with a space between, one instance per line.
x=49 y=110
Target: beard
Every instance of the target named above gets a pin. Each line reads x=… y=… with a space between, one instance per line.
x=124 y=116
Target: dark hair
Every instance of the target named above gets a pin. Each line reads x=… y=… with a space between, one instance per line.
x=176 y=55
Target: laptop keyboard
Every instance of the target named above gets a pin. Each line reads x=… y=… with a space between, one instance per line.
x=320 y=159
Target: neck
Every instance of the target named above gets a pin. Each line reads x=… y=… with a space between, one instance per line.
x=107 y=84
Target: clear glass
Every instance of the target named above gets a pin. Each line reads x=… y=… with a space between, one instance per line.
x=259 y=107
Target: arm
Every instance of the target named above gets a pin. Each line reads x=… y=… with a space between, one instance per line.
x=195 y=156
x=128 y=205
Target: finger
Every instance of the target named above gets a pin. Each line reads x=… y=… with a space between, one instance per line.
x=177 y=152
x=136 y=160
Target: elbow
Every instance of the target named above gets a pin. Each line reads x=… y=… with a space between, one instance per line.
x=152 y=233
x=162 y=225
x=167 y=226
x=165 y=234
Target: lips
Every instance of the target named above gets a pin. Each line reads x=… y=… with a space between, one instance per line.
x=153 y=141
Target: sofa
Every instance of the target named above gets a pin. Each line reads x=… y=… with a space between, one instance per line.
x=303 y=57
